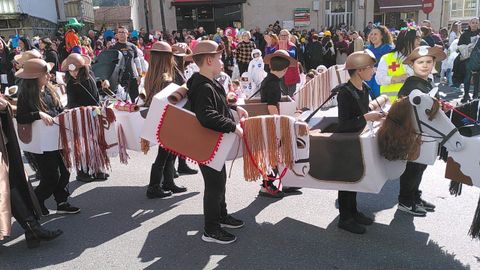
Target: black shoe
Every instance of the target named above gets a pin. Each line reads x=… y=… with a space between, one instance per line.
x=291 y=190
x=34 y=233
x=175 y=189
x=157 y=192
x=271 y=192
x=186 y=170
x=100 y=176
x=220 y=237
x=66 y=208
x=429 y=207
x=361 y=219
x=84 y=177
x=231 y=222
x=175 y=174
x=351 y=226
x=414 y=209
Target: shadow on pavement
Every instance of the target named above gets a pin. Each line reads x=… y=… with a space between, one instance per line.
x=107 y=212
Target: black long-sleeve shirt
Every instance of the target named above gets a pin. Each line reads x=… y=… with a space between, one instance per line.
x=209 y=103
x=83 y=93
x=352 y=105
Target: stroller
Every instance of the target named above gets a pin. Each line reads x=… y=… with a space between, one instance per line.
x=109 y=65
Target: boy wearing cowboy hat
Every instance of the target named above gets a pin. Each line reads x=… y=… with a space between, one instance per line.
x=208 y=101
x=271 y=93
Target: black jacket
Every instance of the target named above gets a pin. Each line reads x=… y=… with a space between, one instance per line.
x=412 y=83
x=314 y=55
x=52 y=57
x=80 y=94
x=352 y=105
x=209 y=103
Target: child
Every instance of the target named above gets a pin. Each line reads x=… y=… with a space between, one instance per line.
x=271 y=93
x=246 y=85
x=208 y=101
x=256 y=68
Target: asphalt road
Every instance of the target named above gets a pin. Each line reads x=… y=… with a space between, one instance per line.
x=119 y=228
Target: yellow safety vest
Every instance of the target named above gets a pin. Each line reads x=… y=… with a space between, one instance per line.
x=395 y=68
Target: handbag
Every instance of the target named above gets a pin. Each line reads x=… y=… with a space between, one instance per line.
x=25 y=132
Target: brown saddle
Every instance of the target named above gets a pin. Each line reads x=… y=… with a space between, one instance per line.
x=335 y=156
x=181 y=133
x=255 y=107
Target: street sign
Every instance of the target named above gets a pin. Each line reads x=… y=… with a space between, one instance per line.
x=427 y=6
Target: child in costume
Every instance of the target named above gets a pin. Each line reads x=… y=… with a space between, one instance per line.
x=208 y=101
x=256 y=68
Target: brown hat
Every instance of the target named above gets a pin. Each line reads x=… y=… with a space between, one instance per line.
x=161 y=46
x=207 y=47
x=75 y=61
x=360 y=59
x=436 y=52
x=22 y=58
x=280 y=53
x=181 y=49
x=34 y=68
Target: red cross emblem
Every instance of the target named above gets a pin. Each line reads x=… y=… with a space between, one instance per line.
x=394 y=66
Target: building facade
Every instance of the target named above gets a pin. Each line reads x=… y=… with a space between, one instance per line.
x=462 y=10
x=82 y=10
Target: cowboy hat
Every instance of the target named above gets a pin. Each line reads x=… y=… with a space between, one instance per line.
x=75 y=61
x=22 y=58
x=282 y=54
x=181 y=49
x=436 y=52
x=207 y=47
x=360 y=59
x=34 y=68
x=161 y=46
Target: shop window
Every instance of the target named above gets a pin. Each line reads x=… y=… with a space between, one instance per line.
x=3 y=24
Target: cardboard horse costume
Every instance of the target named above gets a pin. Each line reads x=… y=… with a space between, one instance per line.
x=177 y=130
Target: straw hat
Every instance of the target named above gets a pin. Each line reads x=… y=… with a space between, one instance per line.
x=207 y=47
x=161 y=46
x=75 y=61
x=280 y=53
x=34 y=68
x=436 y=52
x=360 y=59
x=22 y=58
x=181 y=49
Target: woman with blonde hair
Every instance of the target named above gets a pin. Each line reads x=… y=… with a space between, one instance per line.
x=162 y=71
x=244 y=52
x=455 y=32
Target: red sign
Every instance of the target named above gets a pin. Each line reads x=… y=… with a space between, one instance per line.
x=427 y=6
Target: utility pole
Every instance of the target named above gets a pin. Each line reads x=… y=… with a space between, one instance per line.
x=162 y=14
x=145 y=6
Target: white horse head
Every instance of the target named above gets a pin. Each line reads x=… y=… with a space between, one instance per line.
x=433 y=122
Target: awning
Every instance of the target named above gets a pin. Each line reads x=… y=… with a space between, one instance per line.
x=399 y=5
x=201 y=2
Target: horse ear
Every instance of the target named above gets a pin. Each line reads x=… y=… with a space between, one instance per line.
x=415 y=97
x=433 y=92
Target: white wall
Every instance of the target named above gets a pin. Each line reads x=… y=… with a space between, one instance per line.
x=44 y=9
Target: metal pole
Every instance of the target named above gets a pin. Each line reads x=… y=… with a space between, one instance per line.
x=145 y=6
x=162 y=14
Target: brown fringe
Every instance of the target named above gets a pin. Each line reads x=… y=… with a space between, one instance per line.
x=272 y=144
x=85 y=137
x=76 y=140
x=64 y=141
x=144 y=145
x=254 y=138
x=302 y=130
x=285 y=141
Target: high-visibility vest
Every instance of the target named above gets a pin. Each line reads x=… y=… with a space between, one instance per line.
x=395 y=68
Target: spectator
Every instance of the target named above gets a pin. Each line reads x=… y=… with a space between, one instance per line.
x=381 y=43
x=314 y=53
x=244 y=52
x=341 y=47
x=368 y=28
x=455 y=32
x=50 y=55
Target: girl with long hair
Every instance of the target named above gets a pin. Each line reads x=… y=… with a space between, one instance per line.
x=391 y=72
x=38 y=101
x=162 y=71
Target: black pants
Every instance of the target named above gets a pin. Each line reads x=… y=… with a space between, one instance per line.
x=466 y=80
x=214 y=206
x=409 y=183
x=21 y=211
x=55 y=177
x=162 y=168
x=347 y=204
x=131 y=87
x=242 y=67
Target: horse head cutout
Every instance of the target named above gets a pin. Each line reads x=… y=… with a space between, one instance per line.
x=410 y=118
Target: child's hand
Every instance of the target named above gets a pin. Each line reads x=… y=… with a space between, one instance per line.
x=242 y=112
x=239 y=131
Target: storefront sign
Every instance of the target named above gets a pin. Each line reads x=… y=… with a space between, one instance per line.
x=301 y=17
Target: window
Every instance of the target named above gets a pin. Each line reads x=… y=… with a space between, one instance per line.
x=463 y=8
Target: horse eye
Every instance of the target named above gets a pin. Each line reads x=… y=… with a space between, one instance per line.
x=428 y=111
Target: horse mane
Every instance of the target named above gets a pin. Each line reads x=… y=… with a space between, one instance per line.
x=267 y=153
x=397 y=137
